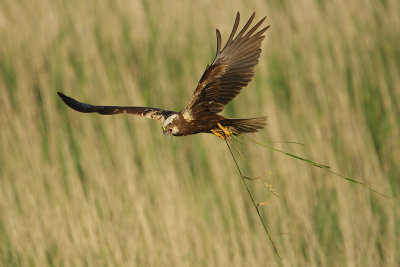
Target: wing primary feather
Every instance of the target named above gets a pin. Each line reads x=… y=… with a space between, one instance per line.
x=76 y=105
x=254 y=28
x=218 y=42
x=235 y=26
x=261 y=32
x=246 y=26
x=231 y=70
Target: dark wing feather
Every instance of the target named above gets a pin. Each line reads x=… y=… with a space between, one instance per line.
x=231 y=70
x=151 y=113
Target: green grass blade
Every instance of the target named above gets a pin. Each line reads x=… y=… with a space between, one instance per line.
x=322 y=166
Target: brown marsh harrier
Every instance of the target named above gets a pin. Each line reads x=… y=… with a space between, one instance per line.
x=231 y=70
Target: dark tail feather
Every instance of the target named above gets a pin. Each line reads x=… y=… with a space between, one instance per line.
x=240 y=126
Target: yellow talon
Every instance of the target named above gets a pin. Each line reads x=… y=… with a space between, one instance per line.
x=225 y=130
x=217 y=133
x=223 y=133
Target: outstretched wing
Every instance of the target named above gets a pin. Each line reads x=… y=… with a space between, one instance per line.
x=151 y=113
x=231 y=70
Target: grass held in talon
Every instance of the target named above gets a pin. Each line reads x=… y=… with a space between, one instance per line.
x=231 y=70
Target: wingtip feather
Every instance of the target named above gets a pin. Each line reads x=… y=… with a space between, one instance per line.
x=61 y=94
x=246 y=26
x=218 y=42
x=235 y=27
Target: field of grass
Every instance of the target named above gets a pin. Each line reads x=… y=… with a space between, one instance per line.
x=89 y=190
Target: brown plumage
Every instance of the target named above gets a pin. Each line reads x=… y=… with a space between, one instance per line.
x=231 y=70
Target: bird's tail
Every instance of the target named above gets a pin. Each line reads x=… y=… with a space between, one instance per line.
x=240 y=126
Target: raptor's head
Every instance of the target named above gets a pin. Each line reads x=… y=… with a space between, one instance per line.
x=170 y=125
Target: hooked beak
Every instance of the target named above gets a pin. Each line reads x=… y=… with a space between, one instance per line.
x=169 y=133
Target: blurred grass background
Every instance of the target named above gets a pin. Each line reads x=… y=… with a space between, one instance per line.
x=84 y=189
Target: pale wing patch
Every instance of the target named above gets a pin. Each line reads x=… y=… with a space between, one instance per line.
x=187 y=115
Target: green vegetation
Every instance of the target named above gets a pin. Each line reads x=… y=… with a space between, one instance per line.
x=90 y=190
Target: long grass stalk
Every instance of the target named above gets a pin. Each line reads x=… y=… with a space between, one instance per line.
x=256 y=206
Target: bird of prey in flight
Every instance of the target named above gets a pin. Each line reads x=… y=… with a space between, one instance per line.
x=231 y=70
